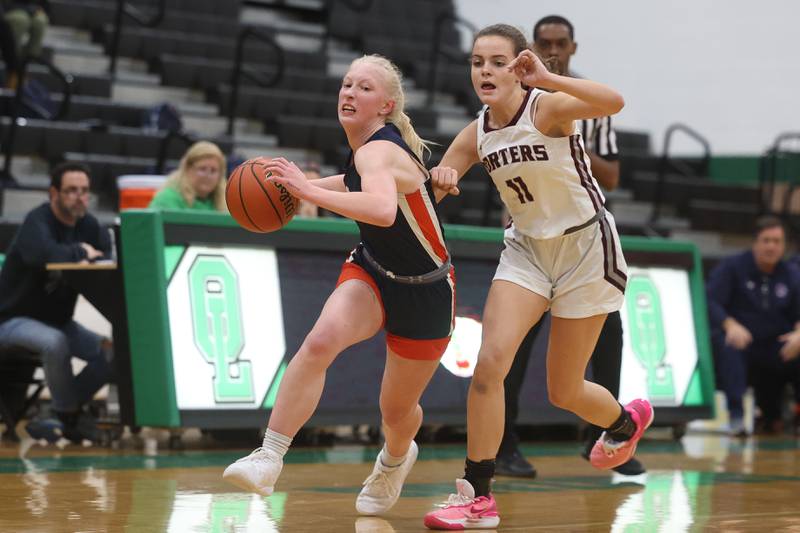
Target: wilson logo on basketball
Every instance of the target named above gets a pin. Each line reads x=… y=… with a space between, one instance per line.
x=286 y=198
x=256 y=202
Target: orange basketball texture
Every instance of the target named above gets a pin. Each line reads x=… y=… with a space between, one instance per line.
x=258 y=204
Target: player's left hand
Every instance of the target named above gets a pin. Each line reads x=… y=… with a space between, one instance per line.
x=287 y=174
x=791 y=345
x=529 y=69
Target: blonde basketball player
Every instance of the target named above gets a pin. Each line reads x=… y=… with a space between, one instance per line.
x=561 y=252
x=398 y=279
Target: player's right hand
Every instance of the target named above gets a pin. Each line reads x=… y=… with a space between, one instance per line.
x=445 y=179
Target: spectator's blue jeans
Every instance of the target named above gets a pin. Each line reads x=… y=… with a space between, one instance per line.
x=57 y=346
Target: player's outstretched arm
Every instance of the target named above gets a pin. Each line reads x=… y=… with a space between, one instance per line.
x=460 y=156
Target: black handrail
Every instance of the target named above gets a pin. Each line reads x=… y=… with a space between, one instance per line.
x=767 y=171
x=163 y=148
x=665 y=163
x=125 y=8
x=433 y=60
x=66 y=82
x=239 y=69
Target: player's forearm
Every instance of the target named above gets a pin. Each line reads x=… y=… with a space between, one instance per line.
x=331 y=183
x=596 y=94
x=368 y=207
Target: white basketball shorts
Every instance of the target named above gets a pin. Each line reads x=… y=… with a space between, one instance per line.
x=582 y=273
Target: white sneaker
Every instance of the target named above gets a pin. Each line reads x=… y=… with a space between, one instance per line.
x=382 y=487
x=257 y=472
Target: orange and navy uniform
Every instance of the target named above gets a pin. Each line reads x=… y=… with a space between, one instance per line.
x=418 y=317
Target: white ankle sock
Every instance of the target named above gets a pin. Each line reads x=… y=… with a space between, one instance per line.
x=276 y=442
x=390 y=461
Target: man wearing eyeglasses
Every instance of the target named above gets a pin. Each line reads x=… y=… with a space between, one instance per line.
x=36 y=306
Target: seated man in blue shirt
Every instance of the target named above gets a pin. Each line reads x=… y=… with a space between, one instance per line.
x=36 y=306
x=754 y=307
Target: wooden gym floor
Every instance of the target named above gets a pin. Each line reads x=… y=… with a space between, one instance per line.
x=704 y=483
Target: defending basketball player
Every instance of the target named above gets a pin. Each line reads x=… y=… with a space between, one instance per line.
x=399 y=279
x=561 y=252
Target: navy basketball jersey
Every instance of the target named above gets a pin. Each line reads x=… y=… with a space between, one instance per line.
x=414 y=244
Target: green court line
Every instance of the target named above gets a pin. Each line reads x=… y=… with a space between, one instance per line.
x=569 y=483
x=340 y=455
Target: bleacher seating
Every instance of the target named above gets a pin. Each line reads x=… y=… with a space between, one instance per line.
x=211 y=74
x=682 y=190
x=192 y=52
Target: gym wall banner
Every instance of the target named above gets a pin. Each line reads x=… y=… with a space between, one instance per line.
x=215 y=313
x=659 y=351
x=226 y=326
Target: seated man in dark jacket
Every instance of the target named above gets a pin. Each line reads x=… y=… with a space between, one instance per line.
x=36 y=306
x=754 y=307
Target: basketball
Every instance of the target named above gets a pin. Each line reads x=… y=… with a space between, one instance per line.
x=256 y=203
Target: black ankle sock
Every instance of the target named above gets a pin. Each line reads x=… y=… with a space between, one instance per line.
x=623 y=427
x=480 y=476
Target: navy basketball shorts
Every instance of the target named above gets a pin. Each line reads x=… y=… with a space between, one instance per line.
x=418 y=318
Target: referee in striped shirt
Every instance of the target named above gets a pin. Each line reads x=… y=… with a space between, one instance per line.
x=554 y=42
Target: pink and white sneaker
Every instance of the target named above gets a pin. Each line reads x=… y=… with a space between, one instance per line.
x=464 y=511
x=608 y=453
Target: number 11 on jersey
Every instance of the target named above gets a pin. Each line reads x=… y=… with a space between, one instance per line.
x=521 y=189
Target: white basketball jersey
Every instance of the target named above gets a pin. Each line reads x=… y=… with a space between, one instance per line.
x=546 y=182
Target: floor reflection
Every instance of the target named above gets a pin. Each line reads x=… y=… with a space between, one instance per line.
x=225 y=512
x=701 y=483
x=373 y=524
x=664 y=504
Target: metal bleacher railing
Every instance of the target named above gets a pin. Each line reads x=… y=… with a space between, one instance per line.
x=774 y=163
x=9 y=139
x=126 y=8
x=239 y=69
x=666 y=164
x=437 y=50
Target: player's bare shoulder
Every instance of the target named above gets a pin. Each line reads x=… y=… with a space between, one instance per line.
x=386 y=158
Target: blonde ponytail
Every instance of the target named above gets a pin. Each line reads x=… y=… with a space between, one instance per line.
x=418 y=145
x=394 y=88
